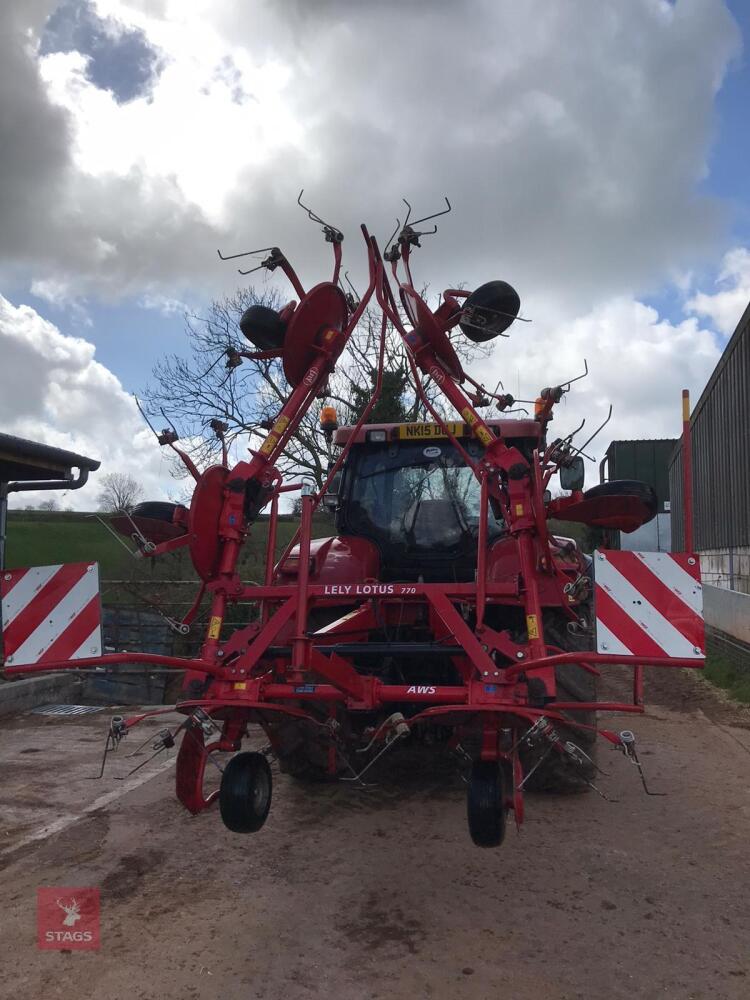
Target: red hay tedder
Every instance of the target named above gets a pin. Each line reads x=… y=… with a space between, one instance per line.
x=444 y=612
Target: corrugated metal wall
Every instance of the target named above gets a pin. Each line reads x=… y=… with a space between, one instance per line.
x=646 y=460
x=676 y=495
x=720 y=430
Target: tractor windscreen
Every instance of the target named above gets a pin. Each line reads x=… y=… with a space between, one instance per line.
x=415 y=497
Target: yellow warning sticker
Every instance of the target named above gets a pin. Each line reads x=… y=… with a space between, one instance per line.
x=484 y=435
x=519 y=510
x=329 y=335
x=469 y=416
x=532 y=626
x=269 y=444
x=214 y=627
x=281 y=425
x=240 y=686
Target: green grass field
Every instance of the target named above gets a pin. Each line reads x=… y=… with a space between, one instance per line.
x=43 y=538
x=40 y=538
x=730 y=674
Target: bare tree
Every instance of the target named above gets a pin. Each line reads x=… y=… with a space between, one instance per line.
x=195 y=389
x=49 y=505
x=120 y=492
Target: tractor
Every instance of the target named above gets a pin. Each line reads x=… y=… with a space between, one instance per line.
x=407 y=509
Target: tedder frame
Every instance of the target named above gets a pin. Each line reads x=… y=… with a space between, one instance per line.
x=280 y=668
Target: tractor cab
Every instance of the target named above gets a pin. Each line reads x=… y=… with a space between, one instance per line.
x=408 y=489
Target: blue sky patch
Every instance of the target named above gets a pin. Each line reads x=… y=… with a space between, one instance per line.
x=120 y=59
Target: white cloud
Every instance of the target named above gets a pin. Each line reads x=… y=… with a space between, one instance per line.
x=638 y=362
x=59 y=394
x=725 y=306
x=570 y=138
x=164 y=304
x=60 y=295
x=572 y=165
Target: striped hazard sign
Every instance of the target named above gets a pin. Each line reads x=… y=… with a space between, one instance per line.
x=648 y=604
x=50 y=613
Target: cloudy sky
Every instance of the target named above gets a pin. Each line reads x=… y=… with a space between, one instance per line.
x=595 y=153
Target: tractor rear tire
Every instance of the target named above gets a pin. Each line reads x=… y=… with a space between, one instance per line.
x=557 y=773
x=245 y=792
x=301 y=766
x=485 y=804
x=300 y=749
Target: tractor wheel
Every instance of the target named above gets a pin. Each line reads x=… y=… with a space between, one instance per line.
x=558 y=774
x=304 y=765
x=245 y=792
x=485 y=804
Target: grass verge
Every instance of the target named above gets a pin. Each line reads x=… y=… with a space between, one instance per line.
x=728 y=673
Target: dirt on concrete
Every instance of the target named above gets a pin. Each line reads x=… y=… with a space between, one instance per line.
x=379 y=893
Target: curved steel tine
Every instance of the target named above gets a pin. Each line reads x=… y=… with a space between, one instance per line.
x=398 y=228
x=168 y=420
x=251 y=271
x=314 y=217
x=213 y=365
x=355 y=293
x=247 y=253
x=140 y=410
x=569 y=437
x=598 y=429
x=310 y=214
x=501 y=312
x=578 y=377
x=406 y=220
x=434 y=215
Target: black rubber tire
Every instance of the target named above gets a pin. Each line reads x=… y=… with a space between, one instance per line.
x=263 y=327
x=557 y=774
x=501 y=302
x=245 y=792
x=157 y=510
x=485 y=804
x=303 y=764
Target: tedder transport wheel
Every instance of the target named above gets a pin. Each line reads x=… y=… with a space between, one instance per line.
x=485 y=804
x=245 y=792
x=157 y=510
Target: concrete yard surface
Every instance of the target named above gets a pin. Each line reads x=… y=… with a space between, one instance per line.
x=379 y=893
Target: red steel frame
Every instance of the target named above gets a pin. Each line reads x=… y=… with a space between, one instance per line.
x=242 y=680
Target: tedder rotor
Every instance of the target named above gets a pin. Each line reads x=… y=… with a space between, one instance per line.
x=444 y=610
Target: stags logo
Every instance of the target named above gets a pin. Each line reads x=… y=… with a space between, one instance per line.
x=437 y=374
x=72 y=911
x=68 y=918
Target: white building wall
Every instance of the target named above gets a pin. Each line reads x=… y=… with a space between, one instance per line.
x=727 y=568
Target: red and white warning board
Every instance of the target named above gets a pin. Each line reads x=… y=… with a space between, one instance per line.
x=648 y=604
x=50 y=613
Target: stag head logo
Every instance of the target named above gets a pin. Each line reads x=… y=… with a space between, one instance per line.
x=72 y=912
x=68 y=917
